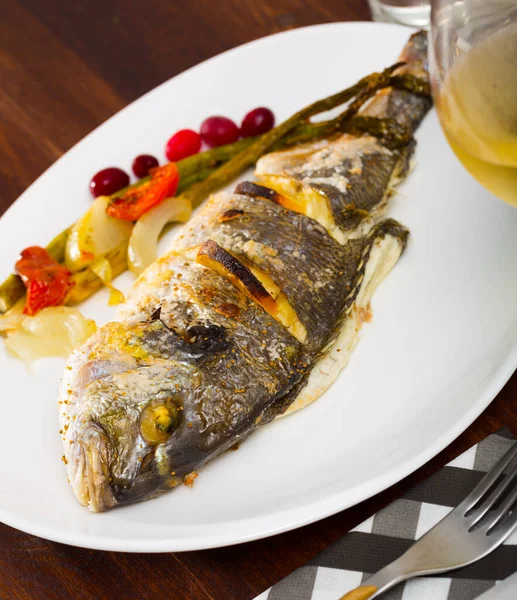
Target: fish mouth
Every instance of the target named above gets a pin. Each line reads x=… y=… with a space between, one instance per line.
x=91 y=480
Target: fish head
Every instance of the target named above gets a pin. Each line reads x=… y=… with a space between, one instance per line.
x=131 y=412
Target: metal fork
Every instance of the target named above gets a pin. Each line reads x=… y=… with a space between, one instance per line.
x=471 y=531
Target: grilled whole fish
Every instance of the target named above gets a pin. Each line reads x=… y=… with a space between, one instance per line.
x=262 y=291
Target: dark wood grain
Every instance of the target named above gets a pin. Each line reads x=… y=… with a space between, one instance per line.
x=65 y=67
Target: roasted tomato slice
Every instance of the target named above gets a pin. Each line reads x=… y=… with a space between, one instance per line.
x=133 y=203
x=47 y=281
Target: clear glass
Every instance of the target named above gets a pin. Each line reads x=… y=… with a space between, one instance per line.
x=473 y=62
x=416 y=13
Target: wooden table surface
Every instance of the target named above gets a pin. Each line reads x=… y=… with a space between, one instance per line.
x=65 y=67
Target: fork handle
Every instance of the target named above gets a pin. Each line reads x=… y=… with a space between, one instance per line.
x=377 y=584
x=361 y=593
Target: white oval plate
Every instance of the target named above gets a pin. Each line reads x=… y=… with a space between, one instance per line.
x=441 y=345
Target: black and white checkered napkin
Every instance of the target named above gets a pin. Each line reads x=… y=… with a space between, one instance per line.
x=385 y=536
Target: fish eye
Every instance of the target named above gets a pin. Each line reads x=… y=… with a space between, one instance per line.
x=158 y=421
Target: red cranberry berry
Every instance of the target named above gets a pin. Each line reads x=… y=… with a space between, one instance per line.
x=108 y=181
x=143 y=163
x=218 y=131
x=257 y=121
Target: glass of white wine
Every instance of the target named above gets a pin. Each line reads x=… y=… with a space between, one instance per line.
x=473 y=61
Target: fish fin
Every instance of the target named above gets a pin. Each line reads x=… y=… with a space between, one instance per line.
x=383 y=246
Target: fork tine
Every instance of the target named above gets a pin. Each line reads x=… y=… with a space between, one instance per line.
x=481 y=511
x=498 y=514
x=506 y=528
x=488 y=481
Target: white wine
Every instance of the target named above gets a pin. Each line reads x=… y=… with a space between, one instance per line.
x=477 y=106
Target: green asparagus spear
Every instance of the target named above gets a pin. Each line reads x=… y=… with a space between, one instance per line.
x=411 y=84
x=86 y=282
x=57 y=246
x=11 y=290
x=389 y=131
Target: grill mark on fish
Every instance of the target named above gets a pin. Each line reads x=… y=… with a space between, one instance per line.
x=248 y=188
x=228 y=215
x=213 y=256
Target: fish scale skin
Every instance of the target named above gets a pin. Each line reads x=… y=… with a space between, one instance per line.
x=245 y=368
